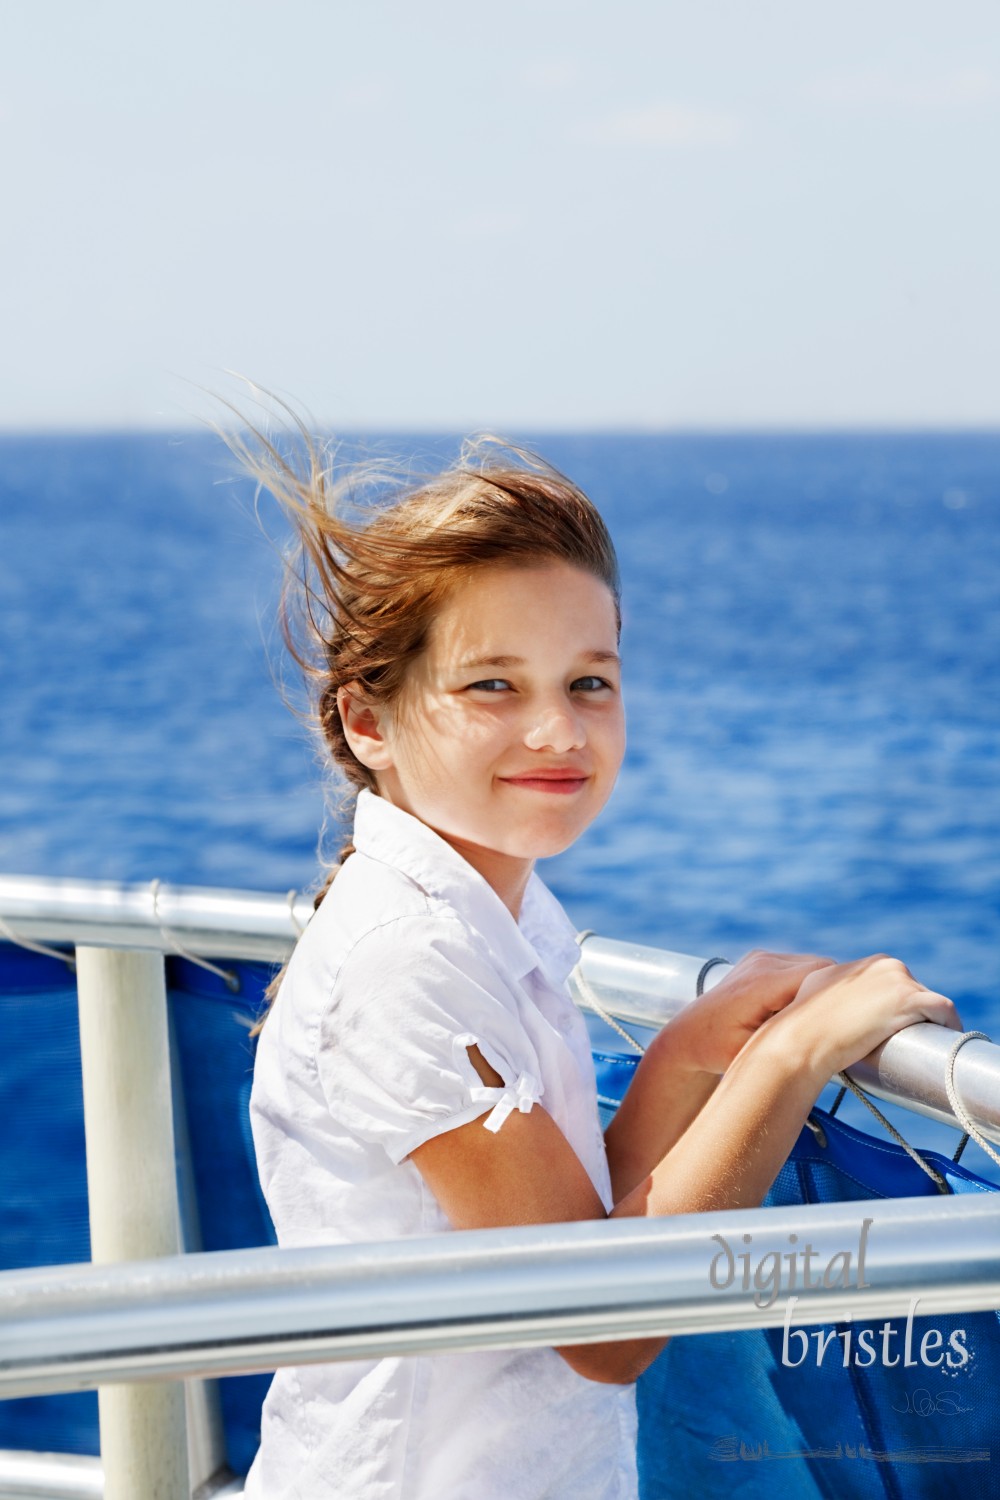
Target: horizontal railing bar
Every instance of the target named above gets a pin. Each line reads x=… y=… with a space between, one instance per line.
x=642 y=985
x=209 y=922
x=909 y=1069
x=648 y=986
x=25 y=1475
x=50 y=1476
x=74 y=1327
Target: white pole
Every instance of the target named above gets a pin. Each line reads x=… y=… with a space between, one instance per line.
x=206 y=1436
x=132 y=1184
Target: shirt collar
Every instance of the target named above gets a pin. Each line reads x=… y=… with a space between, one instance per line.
x=544 y=937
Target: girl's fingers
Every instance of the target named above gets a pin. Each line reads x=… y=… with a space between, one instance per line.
x=942 y=1010
x=851 y=1009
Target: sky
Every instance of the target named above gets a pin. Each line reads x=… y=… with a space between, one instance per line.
x=542 y=215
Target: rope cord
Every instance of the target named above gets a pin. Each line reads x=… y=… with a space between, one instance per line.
x=592 y=1000
x=958 y=1108
x=924 y=1166
x=703 y=973
x=231 y=980
x=22 y=942
x=838 y=1101
x=290 y=898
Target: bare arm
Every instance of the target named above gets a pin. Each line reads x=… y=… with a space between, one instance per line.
x=729 y=1154
x=682 y=1065
x=664 y=1096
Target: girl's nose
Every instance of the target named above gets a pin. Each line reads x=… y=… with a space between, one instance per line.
x=558 y=730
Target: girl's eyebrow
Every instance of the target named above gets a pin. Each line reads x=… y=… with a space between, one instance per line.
x=519 y=661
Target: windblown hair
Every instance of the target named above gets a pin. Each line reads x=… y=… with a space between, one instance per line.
x=364 y=581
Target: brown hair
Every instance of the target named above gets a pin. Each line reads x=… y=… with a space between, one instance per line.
x=360 y=593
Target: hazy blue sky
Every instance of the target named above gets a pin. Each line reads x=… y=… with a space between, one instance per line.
x=528 y=215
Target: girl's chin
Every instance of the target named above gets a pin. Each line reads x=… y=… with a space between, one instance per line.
x=509 y=843
x=514 y=838
x=541 y=845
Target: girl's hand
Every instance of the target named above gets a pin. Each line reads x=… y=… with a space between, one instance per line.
x=843 y=1011
x=710 y=1032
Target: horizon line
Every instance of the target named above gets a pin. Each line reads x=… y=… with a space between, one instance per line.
x=638 y=429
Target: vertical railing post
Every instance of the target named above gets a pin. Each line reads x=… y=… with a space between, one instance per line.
x=125 y=1052
x=206 y=1435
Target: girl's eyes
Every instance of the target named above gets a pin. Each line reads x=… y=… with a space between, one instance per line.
x=492 y=684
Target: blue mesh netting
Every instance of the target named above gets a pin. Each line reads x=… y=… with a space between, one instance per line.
x=216 y=1066
x=43 y=1168
x=725 y=1414
x=43 y=1174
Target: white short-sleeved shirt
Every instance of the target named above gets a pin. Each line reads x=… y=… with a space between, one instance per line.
x=410 y=959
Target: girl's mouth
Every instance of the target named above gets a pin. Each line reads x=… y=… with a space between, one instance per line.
x=560 y=784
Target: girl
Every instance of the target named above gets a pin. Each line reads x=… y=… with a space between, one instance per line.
x=423 y=1067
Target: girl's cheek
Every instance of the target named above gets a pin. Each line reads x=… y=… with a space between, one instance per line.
x=485 y=722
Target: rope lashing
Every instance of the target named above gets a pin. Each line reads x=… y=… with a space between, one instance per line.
x=230 y=979
x=592 y=1000
x=33 y=947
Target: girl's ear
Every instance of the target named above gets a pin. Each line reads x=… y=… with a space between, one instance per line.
x=363 y=727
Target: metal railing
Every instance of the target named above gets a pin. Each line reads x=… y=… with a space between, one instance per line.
x=642 y=985
x=230 y=1312
x=132 y=1324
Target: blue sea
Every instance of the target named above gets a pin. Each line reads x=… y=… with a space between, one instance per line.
x=811 y=642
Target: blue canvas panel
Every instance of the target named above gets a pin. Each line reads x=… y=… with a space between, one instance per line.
x=744 y=1414
x=43 y=1172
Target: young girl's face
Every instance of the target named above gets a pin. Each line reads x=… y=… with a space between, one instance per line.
x=510 y=731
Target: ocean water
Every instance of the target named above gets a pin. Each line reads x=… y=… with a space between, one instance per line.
x=811 y=641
